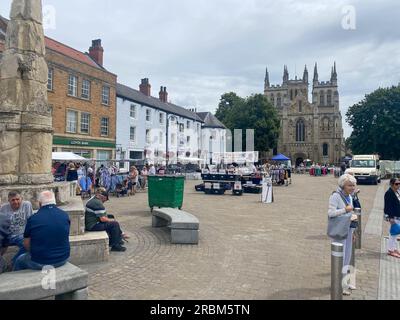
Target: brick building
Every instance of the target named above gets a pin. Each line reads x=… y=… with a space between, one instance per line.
x=82 y=96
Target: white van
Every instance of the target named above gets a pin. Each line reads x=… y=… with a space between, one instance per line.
x=365 y=168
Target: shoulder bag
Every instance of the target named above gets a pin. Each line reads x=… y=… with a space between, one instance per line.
x=339 y=227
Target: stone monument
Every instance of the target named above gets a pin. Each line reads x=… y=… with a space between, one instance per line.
x=26 y=130
x=25 y=119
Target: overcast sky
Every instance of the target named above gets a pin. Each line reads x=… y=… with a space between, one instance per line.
x=201 y=49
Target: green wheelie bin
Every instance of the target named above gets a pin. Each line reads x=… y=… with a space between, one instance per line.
x=166 y=191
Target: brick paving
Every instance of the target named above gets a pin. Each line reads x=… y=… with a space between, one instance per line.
x=247 y=250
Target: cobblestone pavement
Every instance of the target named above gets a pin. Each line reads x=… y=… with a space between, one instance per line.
x=247 y=250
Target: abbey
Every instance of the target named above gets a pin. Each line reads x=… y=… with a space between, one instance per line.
x=309 y=130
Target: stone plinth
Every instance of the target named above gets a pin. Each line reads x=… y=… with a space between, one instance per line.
x=64 y=191
x=76 y=212
x=91 y=247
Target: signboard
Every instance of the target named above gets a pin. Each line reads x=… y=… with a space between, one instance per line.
x=267 y=195
x=79 y=143
x=83 y=143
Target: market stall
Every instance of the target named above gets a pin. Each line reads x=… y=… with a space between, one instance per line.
x=282 y=173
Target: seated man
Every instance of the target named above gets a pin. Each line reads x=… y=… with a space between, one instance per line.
x=46 y=237
x=4 y=233
x=19 y=212
x=96 y=220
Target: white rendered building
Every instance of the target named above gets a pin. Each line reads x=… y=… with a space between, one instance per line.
x=149 y=129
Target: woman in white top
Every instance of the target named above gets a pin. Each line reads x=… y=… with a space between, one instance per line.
x=341 y=203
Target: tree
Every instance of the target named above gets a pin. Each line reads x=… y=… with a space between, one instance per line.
x=376 y=124
x=254 y=112
x=230 y=104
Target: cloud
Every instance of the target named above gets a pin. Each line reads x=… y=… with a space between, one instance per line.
x=201 y=49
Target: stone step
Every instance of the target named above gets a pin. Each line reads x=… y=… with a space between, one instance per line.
x=76 y=212
x=91 y=247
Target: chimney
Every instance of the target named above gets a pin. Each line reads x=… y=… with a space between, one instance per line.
x=145 y=87
x=96 y=52
x=163 y=94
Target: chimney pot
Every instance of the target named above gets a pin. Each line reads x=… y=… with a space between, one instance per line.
x=145 y=87
x=96 y=51
x=163 y=94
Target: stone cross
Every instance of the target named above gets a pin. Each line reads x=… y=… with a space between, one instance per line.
x=26 y=130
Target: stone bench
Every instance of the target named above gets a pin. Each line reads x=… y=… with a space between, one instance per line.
x=70 y=284
x=184 y=226
x=91 y=247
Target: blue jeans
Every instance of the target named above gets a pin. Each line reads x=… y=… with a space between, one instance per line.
x=17 y=241
x=25 y=262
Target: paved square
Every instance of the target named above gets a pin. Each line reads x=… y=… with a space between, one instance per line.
x=247 y=250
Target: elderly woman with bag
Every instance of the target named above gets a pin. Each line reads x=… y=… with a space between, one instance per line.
x=392 y=212
x=340 y=213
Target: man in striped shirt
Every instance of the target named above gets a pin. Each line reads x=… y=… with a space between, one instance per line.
x=96 y=219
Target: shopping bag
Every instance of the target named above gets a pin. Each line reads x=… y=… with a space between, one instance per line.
x=339 y=227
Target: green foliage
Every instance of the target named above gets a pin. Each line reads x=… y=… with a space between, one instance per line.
x=254 y=112
x=376 y=124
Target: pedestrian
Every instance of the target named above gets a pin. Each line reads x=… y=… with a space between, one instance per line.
x=18 y=212
x=144 y=175
x=133 y=180
x=392 y=213
x=46 y=236
x=72 y=173
x=152 y=170
x=341 y=215
x=342 y=168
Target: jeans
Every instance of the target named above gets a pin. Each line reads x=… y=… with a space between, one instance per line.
x=25 y=262
x=17 y=241
x=113 y=230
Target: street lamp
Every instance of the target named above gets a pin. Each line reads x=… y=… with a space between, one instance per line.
x=211 y=148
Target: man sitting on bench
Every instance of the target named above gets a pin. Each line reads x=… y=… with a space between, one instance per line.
x=46 y=237
x=96 y=219
x=19 y=212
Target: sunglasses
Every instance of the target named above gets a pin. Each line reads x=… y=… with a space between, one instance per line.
x=397 y=184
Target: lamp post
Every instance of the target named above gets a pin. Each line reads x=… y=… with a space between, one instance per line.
x=211 y=148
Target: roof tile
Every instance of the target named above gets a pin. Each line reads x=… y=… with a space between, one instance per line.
x=69 y=52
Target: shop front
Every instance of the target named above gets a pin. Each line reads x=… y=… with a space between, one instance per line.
x=89 y=149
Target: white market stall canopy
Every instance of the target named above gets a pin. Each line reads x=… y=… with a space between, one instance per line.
x=67 y=156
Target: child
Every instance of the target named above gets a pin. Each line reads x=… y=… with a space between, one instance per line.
x=121 y=190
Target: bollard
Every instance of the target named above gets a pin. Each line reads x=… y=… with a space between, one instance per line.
x=357 y=211
x=353 y=253
x=336 y=271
